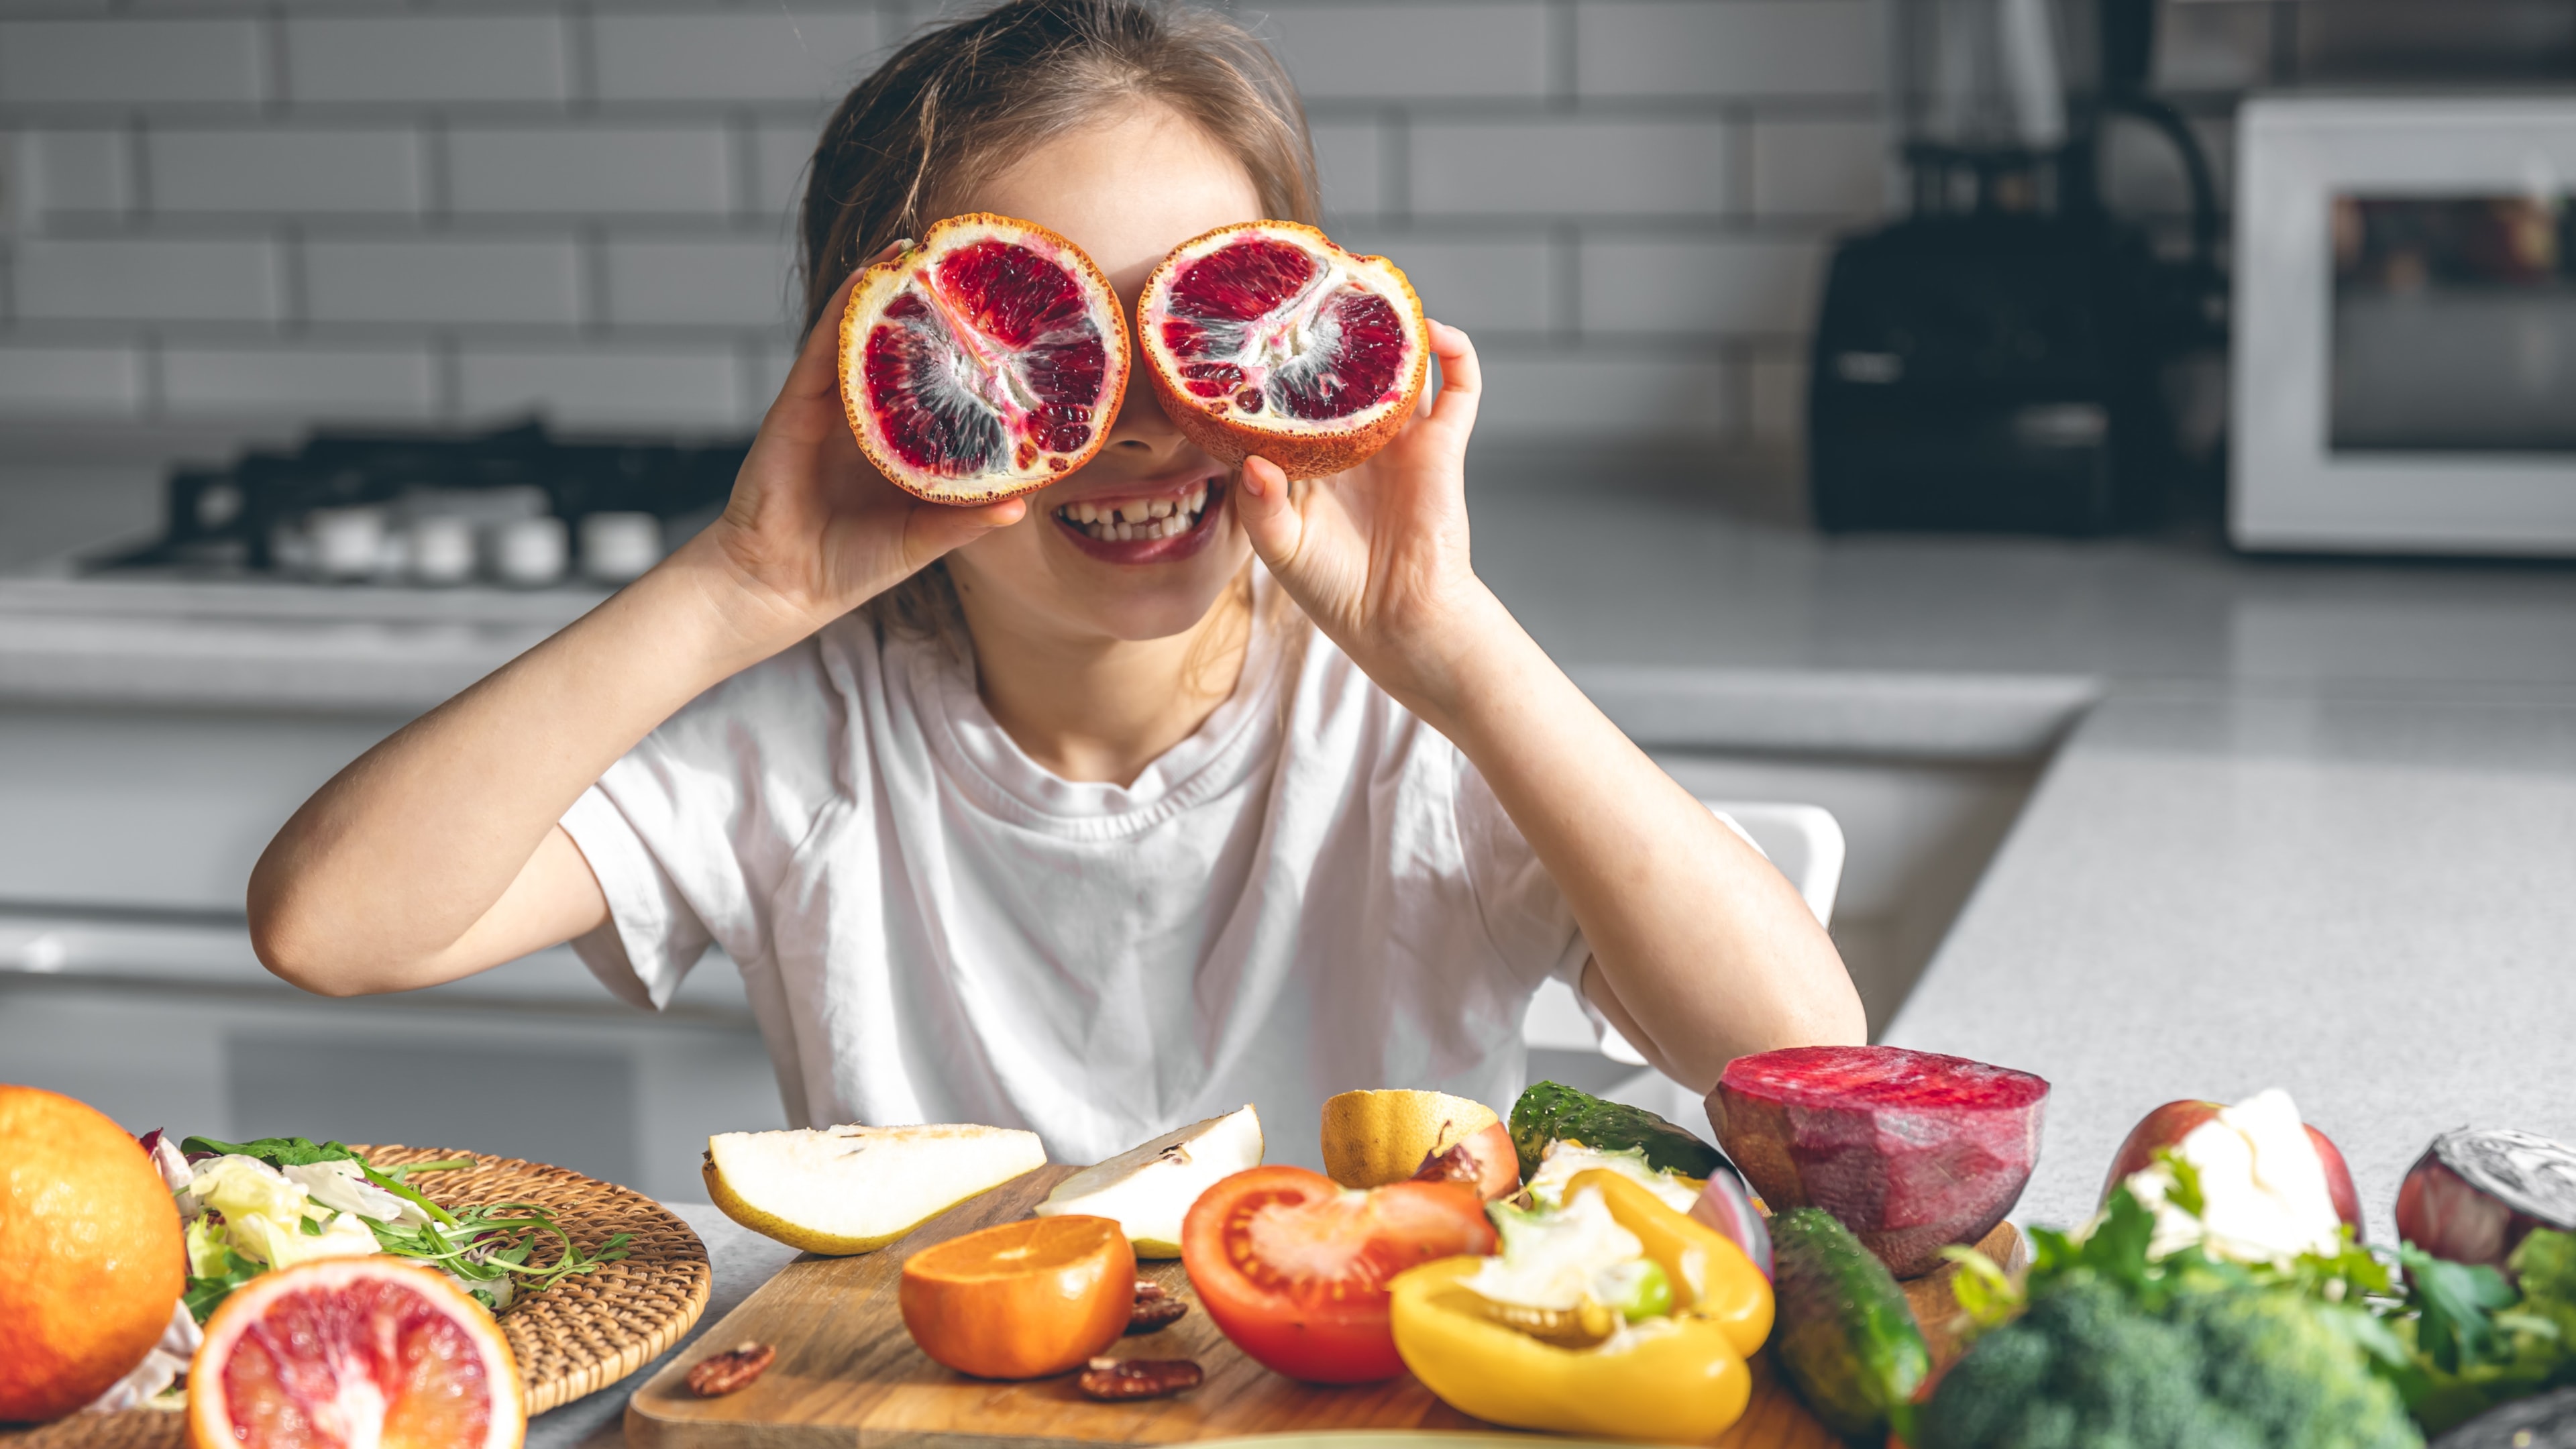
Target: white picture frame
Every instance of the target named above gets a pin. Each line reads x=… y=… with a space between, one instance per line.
x=2288 y=490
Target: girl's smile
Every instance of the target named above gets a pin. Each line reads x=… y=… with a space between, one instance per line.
x=1145 y=524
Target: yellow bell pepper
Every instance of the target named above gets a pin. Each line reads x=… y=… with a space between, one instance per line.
x=1711 y=1277
x=1676 y=1379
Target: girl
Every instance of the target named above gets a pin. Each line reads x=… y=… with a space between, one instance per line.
x=1004 y=823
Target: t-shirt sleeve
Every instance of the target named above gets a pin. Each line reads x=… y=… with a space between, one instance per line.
x=1526 y=917
x=692 y=830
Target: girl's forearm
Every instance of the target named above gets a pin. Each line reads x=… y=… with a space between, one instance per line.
x=1708 y=949
x=385 y=878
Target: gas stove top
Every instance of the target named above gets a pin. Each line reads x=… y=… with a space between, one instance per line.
x=513 y=508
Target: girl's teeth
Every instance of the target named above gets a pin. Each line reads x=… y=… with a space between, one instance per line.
x=1128 y=522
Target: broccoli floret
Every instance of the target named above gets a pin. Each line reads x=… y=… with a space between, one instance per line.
x=2273 y=1359
x=2086 y=1368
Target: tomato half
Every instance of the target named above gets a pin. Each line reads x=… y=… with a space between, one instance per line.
x=1294 y=1267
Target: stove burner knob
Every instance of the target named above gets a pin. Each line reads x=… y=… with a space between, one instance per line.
x=347 y=542
x=529 y=553
x=442 y=549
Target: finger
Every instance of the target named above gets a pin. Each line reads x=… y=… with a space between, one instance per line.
x=1462 y=379
x=1262 y=505
x=817 y=372
x=935 y=528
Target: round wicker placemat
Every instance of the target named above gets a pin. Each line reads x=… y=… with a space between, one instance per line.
x=579 y=1336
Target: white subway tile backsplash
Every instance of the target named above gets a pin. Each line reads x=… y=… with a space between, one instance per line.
x=1606 y=393
x=1401 y=52
x=1350 y=158
x=285 y=170
x=1722 y=285
x=798 y=53
x=70 y=381
x=147 y=280
x=1577 y=166
x=299 y=382
x=601 y=169
x=781 y=151
x=733 y=282
x=1728 y=48
x=74 y=171
x=657 y=389
x=1834 y=169
x=426 y=59
x=1502 y=285
x=445 y=282
x=157 y=61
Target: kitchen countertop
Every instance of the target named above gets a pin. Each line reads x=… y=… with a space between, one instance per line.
x=2308 y=823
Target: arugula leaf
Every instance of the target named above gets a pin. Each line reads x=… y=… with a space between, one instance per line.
x=204 y=1295
x=2185 y=1192
x=277 y=1151
x=2455 y=1302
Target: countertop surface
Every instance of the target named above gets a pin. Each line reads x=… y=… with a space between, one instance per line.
x=2307 y=823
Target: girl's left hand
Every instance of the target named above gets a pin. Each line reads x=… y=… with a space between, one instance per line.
x=1377 y=556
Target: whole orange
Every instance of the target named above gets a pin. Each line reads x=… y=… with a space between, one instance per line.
x=1021 y=1300
x=90 y=1256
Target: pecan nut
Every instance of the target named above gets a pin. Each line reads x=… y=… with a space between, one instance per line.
x=1114 y=1380
x=723 y=1373
x=1155 y=1309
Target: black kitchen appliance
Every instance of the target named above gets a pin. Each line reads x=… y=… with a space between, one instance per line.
x=1991 y=361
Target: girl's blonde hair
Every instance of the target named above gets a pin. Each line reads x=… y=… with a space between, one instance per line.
x=970 y=97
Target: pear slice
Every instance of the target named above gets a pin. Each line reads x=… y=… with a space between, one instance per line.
x=1149 y=1189
x=844 y=1190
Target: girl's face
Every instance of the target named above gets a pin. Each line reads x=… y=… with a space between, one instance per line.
x=1126 y=191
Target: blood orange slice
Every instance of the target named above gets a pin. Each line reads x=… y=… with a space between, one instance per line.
x=354 y=1353
x=987 y=361
x=1265 y=337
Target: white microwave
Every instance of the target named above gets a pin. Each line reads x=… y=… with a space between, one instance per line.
x=2404 y=363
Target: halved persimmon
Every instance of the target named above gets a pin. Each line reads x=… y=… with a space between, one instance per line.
x=1021 y=1300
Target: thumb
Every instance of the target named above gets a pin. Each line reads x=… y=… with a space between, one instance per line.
x=935 y=528
x=1269 y=519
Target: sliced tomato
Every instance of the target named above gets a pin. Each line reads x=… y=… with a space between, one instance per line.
x=1294 y=1266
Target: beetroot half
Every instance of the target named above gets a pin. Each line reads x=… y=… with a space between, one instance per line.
x=1912 y=1151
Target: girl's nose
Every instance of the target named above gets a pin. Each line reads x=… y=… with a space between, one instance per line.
x=1142 y=424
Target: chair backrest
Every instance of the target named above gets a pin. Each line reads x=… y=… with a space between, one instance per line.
x=1804 y=842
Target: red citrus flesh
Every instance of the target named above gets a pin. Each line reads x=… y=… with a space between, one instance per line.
x=354 y=1353
x=985 y=362
x=1265 y=337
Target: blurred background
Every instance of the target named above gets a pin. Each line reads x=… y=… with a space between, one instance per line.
x=1860 y=410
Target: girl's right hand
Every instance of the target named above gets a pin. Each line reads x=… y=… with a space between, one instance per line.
x=812 y=531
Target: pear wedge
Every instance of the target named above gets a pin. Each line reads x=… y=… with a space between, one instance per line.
x=1149 y=1189
x=844 y=1190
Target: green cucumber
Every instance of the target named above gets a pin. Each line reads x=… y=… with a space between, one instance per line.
x=1553 y=1112
x=1842 y=1330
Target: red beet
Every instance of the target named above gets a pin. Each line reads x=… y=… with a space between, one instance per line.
x=2474 y=1196
x=1912 y=1151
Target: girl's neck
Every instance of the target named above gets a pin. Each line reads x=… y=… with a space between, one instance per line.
x=1101 y=709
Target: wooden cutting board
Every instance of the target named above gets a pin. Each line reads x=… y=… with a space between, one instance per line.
x=846 y=1370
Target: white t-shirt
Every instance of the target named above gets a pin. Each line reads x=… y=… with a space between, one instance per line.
x=1314 y=892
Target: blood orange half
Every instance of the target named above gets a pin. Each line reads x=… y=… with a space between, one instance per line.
x=1265 y=337
x=354 y=1353
x=985 y=362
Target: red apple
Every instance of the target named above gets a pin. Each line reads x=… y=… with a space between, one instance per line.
x=2169 y=1124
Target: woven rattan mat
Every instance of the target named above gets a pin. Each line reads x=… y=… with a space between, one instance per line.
x=579 y=1336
